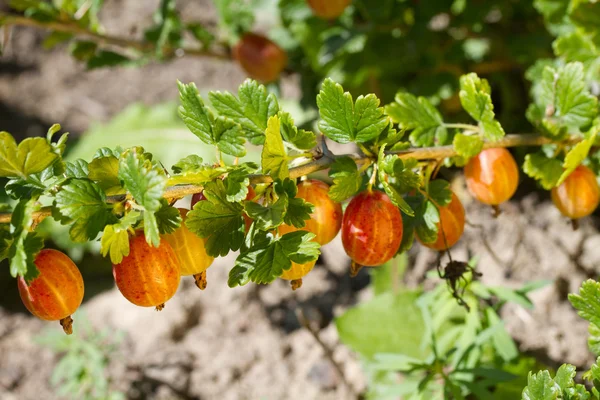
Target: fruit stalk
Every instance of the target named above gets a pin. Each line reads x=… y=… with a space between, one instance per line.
x=327 y=159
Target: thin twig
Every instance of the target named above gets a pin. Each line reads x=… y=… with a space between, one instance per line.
x=324 y=162
x=7 y=19
x=326 y=349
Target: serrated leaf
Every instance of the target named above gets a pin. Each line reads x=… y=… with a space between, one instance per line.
x=439 y=191
x=168 y=218
x=237 y=181
x=575 y=46
x=299 y=138
x=31 y=156
x=25 y=245
x=575 y=156
x=252 y=110
x=540 y=386
x=467 y=146
x=419 y=116
x=475 y=97
x=267 y=260
x=189 y=163
x=546 y=170
x=273 y=157
x=565 y=376
x=198 y=176
x=105 y=172
x=218 y=220
x=115 y=239
x=345 y=121
x=427 y=219
x=587 y=302
x=221 y=132
x=346 y=179
x=565 y=97
x=84 y=203
x=77 y=169
x=267 y=217
x=146 y=183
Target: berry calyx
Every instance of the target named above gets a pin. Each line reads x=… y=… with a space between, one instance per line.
x=190 y=250
x=492 y=176
x=451 y=225
x=297 y=272
x=57 y=291
x=371 y=229
x=261 y=58
x=578 y=196
x=148 y=276
x=326 y=220
x=328 y=9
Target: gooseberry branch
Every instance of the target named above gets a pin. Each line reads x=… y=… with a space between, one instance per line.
x=7 y=20
x=326 y=158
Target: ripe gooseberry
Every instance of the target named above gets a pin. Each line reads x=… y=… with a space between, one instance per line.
x=261 y=58
x=451 y=225
x=371 y=229
x=326 y=220
x=328 y=9
x=579 y=194
x=148 y=276
x=297 y=272
x=190 y=250
x=56 y=292
x=251 y=194
x=492 y=176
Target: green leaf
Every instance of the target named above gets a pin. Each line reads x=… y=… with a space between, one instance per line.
x=146 y=183
x=501 y=340
x=565 y=376
x=565 y=97
x=540 y=386
x=439 y=191
x=546 y=170
x=426 y=224
x=267 y=259
x=31 y=156
x=467 y=146
x=196 y=174
x=237 y=181
x=298 y=210
x=388 y=323
x=84 y=203
x=419 y=116
x=115 y=239
x=168 y=218
x=346 y=179
x=5 y=241
x=476 y=99
x=201 y=34
x=575 y=157
x=575 y=46
x=105 y=58
x=397 y=178
x=167 y=28
x=189 y=163
x=218 y=220
x=25 y=244
x=587 y=302
x=105 y=172
x=221 y=132
x=344 y=121
x=273 y=157
x=299 y=138
x=77 y=169
x=267 y=217
x=252 y=110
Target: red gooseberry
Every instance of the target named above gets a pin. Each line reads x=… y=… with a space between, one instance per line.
x=56 y=292
x=579 y=194
x=451 y=225
x=328 y=9
x=148 y=276
x=371 y=229
x=190 y=250
x=492 y=176
x=261 y=58
x=326 y=220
